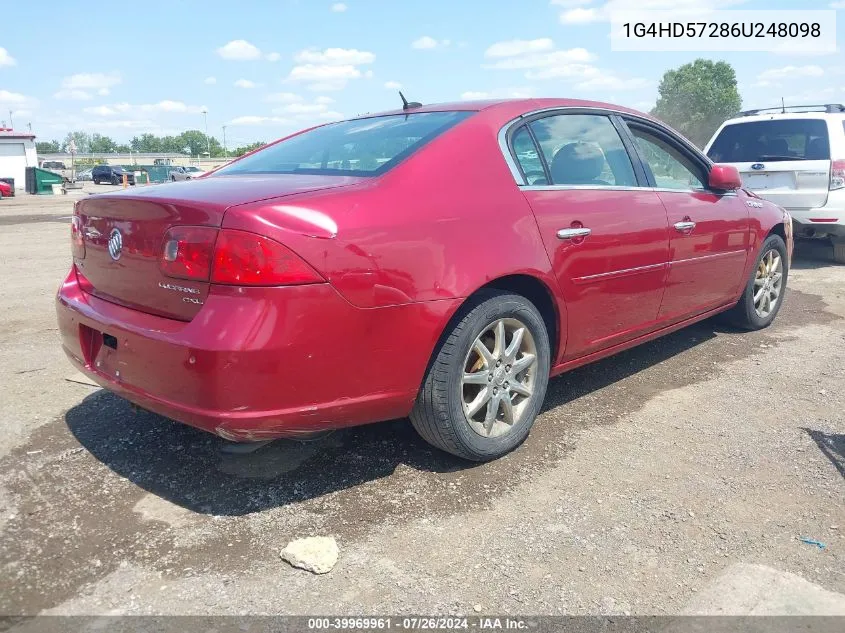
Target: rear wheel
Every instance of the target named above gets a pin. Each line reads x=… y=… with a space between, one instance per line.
x=114 y=180
x=488 y=379
x=763 y=294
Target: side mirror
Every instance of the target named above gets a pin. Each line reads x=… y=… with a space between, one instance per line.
x=724 y=178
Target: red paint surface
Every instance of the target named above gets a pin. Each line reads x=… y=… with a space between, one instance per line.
x=399 y=255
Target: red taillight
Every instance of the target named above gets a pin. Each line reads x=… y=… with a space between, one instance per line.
x=187 y=252
x=837 y=174
x=77 y=243
x=247 y=259
x=231 y=257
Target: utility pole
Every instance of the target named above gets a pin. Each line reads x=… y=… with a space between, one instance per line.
x=225 y=153
x=207 y=140
x=11 y=123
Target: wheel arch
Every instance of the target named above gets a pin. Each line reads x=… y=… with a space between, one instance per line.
x=532 y=288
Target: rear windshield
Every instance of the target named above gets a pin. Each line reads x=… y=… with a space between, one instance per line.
x=784 y=139
x=362 y=147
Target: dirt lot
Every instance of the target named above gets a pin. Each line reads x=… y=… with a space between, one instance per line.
x=646 y=477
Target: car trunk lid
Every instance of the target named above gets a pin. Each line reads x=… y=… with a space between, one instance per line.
x=124 y=232
x=801 y=184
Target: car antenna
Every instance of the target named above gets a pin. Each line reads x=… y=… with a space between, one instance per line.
x=406 y=105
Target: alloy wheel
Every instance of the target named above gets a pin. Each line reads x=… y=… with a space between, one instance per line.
x=499 y=374
x=768 y=283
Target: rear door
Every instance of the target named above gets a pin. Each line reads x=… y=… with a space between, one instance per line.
x=785 y=160
x=605 y=234
x=708 y=230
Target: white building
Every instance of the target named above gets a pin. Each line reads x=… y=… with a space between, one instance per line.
x=17 y=152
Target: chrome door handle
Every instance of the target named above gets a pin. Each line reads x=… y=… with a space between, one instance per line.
x=568 y=234
x=684 y=227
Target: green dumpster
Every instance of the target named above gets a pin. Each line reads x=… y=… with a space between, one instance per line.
x=44 y=181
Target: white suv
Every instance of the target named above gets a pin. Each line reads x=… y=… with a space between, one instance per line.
x=795 y=157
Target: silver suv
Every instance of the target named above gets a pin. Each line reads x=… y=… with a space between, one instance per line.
x=795 y=157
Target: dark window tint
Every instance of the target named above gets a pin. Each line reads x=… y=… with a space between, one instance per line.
x=779 y=139
x=671 y=168
x=583 y=149
x=363 y=147
x=528 y=158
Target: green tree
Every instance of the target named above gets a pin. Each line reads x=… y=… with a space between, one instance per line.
x=48 y=147
x=240 y=151
x=696 y=98
x=102 y=144
x=82 y=141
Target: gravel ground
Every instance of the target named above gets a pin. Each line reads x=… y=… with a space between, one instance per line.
x=645 y=477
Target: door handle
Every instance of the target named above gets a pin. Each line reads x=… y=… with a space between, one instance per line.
x=568 y=234
x=684 y=227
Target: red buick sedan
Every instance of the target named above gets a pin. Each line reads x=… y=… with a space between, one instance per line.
x=439 y=262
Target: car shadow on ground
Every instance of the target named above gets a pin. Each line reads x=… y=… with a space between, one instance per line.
x=832 y=446
x=190 y=468
x=813 y=254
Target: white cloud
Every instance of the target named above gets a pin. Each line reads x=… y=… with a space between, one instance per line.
x=210 y=81
x=586 y=11
x=426 y=42
x=272 y=57
x=257 y=120
x=325 y=100
x=91 y=81
x=104 y=92
x=339 y=7
x=72 y=95
x=511 y=48
x=165 y=106
x=334 y=57
x=392 y=85
x=100 y=110
x=23 y=113
x=239 y=50
x=551 y=59
x=510 y=93
x=244 y=83
x=301 y=108
x=775 y=76
x=283 y=97
x=838 y=5
x=6 y=59
x=605 y=80
x=580 y=15
x=7 y=97
x=325 y=78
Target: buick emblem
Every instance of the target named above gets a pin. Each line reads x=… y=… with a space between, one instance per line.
x=115 y=244
x=758 y=166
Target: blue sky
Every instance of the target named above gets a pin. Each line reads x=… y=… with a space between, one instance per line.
x=267 y=68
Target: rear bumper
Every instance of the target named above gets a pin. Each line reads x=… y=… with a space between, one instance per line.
x=256 y=363
x=826 y=220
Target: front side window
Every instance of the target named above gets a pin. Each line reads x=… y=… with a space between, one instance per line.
x=583 y=149
x=669 y=166
x=361 y=147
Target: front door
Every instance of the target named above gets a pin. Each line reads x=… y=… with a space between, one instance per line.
x=708 y=230
x=606 y=234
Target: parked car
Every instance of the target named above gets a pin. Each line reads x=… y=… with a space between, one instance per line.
x=441 y=278
x=794 y=157
x=85 y=174
x=185 y=173
x=57 y=167
x=5 y=190
x=112 y=174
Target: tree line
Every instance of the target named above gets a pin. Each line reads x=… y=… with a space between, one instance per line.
x=694 y=99
x=191 y=142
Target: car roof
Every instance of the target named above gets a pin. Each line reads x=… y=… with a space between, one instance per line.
x=512 y=107
x=781 y=116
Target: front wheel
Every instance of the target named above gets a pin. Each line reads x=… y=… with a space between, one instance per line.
x=486 y=384
x=763 y=295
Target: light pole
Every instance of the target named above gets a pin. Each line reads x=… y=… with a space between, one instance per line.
x=11 y=123
x=207 y=140
x=225 y=153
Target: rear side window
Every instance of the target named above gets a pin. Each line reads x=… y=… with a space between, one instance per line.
x=362 y=147
x=778 y=139
x=583 y=149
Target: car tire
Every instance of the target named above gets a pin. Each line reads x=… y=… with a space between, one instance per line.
x=114 y=180
x=749 y=314
x=445 y=413
x=96 y=182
